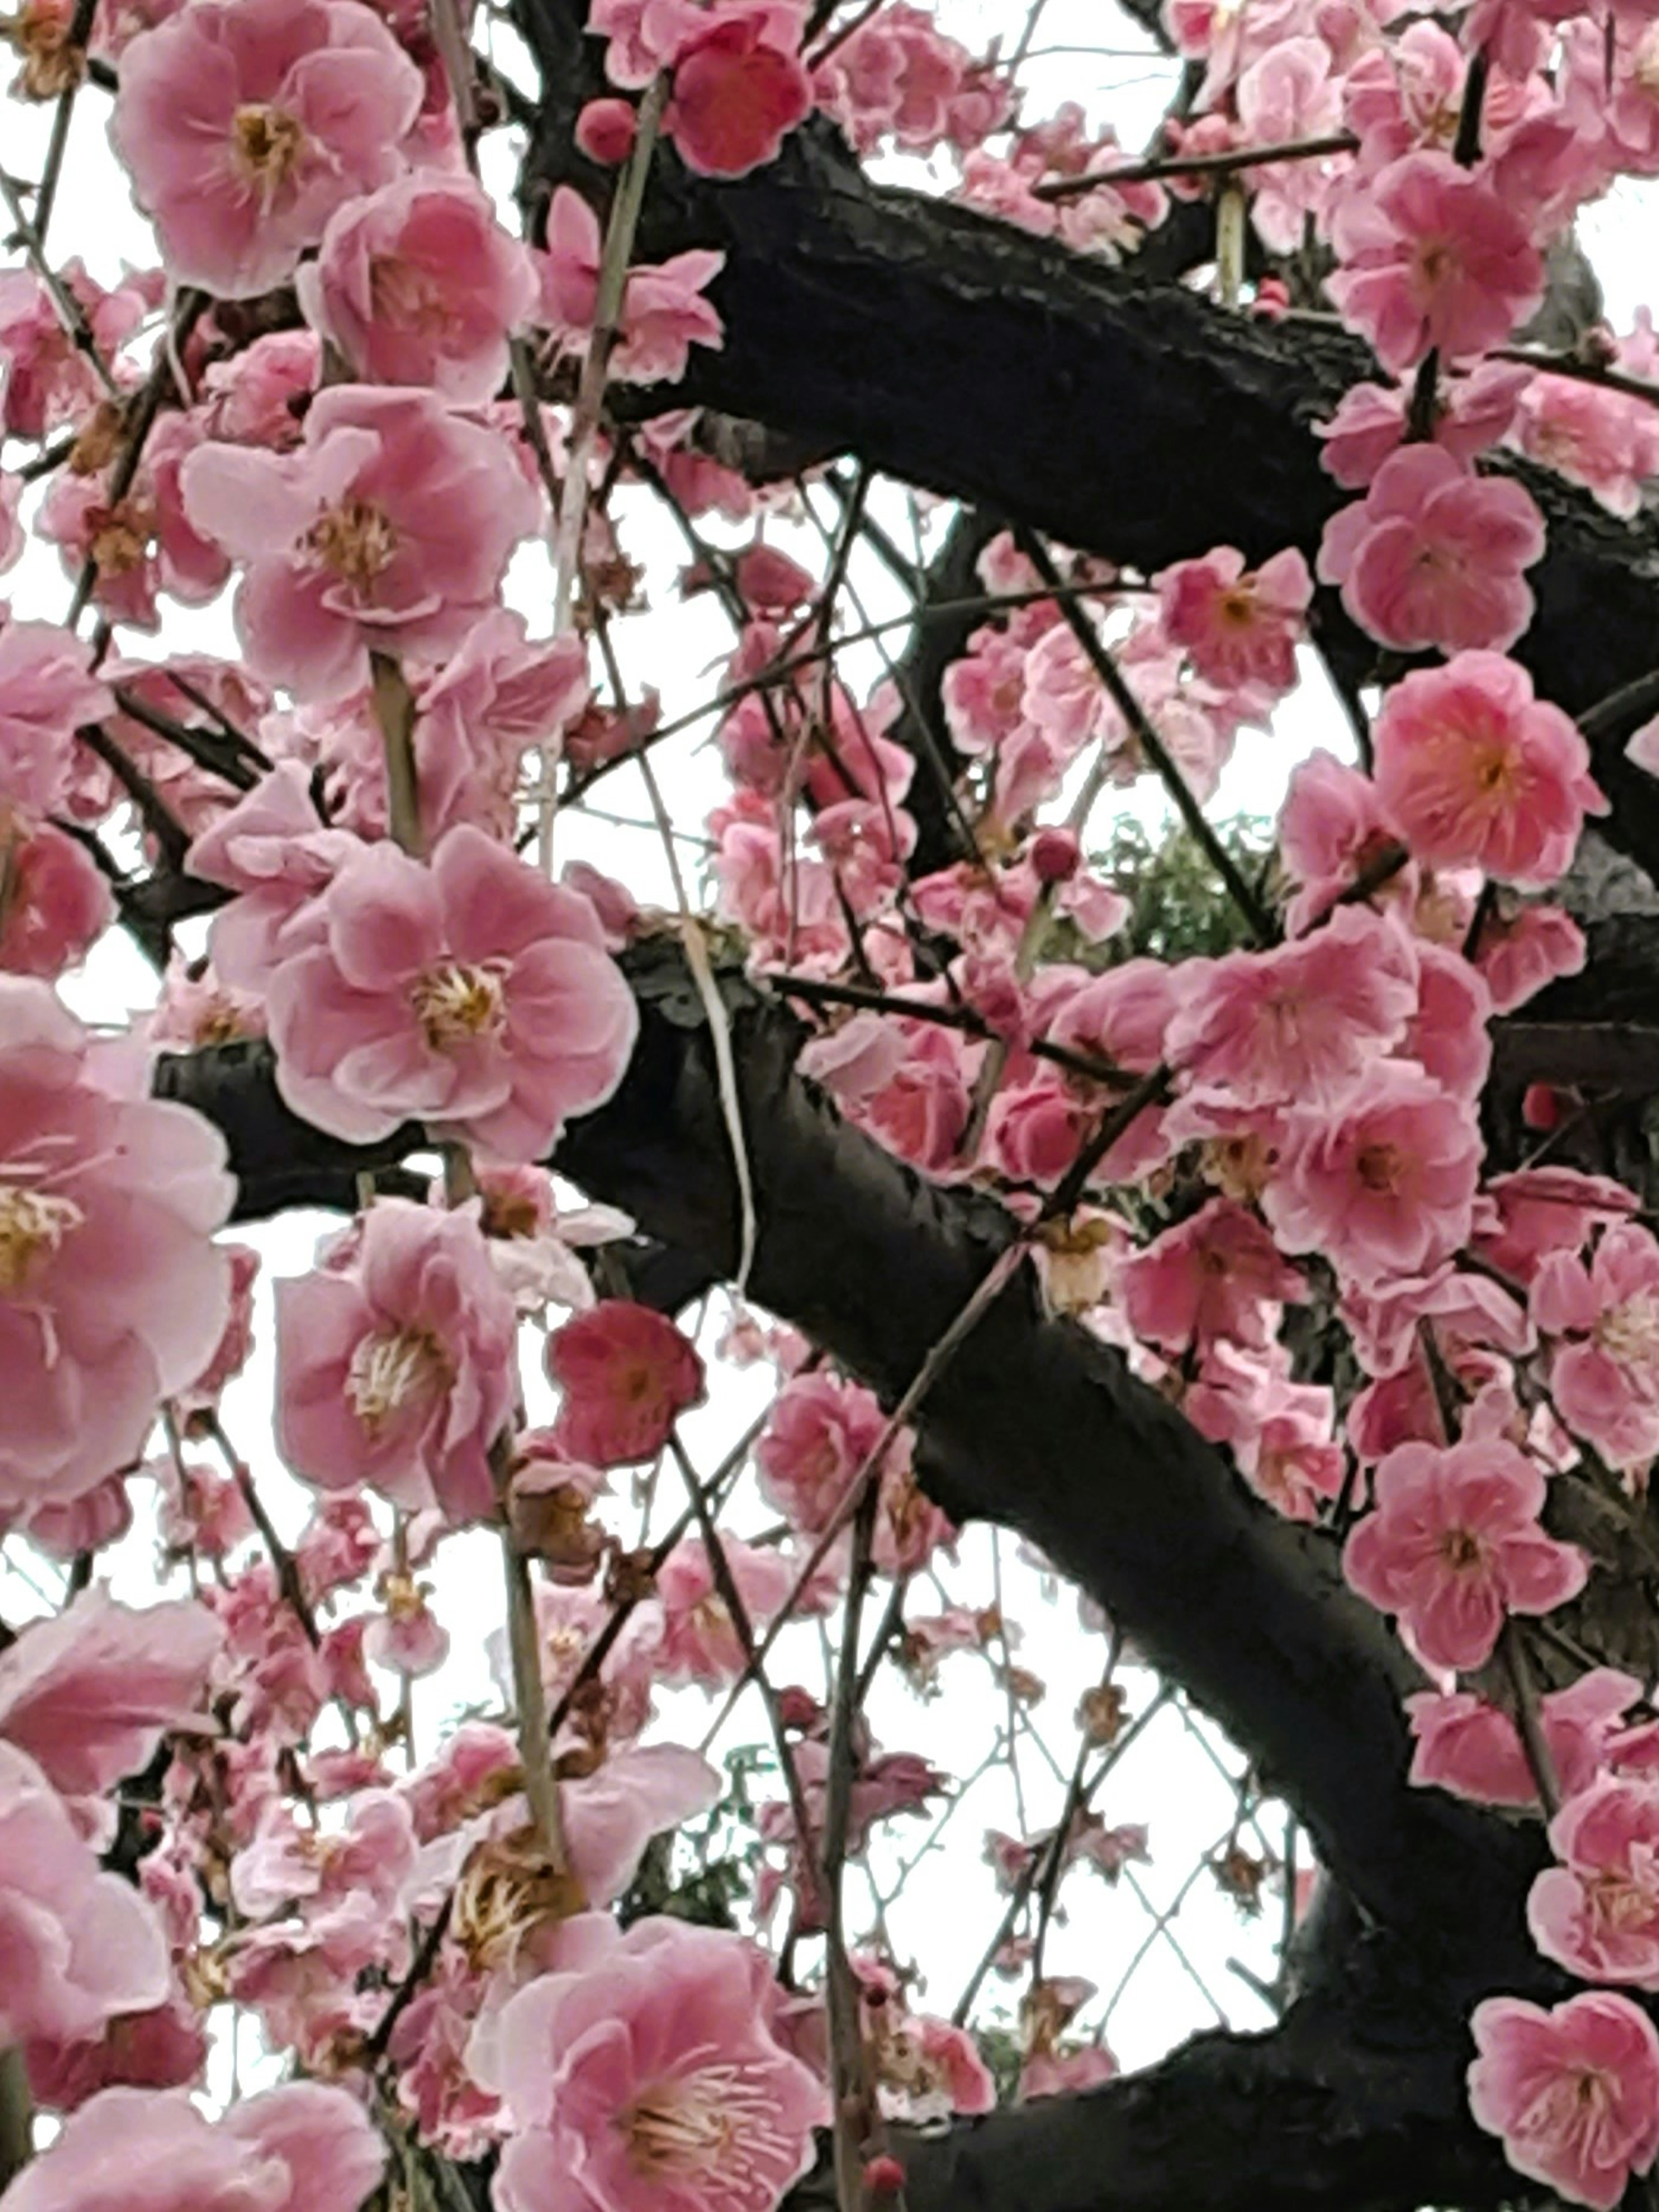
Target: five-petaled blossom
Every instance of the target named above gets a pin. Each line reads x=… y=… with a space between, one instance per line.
x=628 y=1375
x=1237 y=625
x=1574 y=2092
x=1597 y=1913
x=1455 y=1546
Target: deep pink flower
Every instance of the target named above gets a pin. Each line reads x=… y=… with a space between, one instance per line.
x=396 y=1361
x=1472 y=413
x=1434 y=556
x=1455 y=1546
x=420 y=284
x=111 y=1294
x=76 y=1945
x=1384 y=1185
x=627 y=1374
x=1218 y=1274
x=1574 y=2091
x=468 y=993
x=1237 y=626
x=651 y=2079
x=303 y=2148
x=88 y=1694
x=1471 y=1749
x=1597 y=1913
x=245 y=124
x=388 y=530
x=1604 y=1376
x=1302 y=1022
x=1478 y=774
x=1432 y=257
x=739 y=87
x=1521 y=953
x=819 y=1432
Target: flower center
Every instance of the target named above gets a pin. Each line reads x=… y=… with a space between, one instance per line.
x=266 y=144
x=1237 y=607
x=404 y=296
x=1620 y=1902
x=1629 y=1332
x=120 y=538
x=355 y=539
x=454 y=1004
x=1459 y=1550
x=52 y=65
x=681 y=2128
x=33 y=1226
x=388 y=1371
x=1644 y=62
x=1378 y=1168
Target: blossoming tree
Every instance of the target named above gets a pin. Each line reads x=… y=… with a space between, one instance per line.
x=1296 y=1299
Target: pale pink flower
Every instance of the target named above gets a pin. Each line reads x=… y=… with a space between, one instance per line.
x=1331 y=828
x=396 y=1361
x=627 y=1374
x=1382 y=1186
x=407 y=1638
x=420 y=284
x=1432 y=256
x=89 y=1693
x=1455 y=1546
x=272 y=849
x=1574 y=2091
x=1478 y=773
x=1520 y=952
x=111 y=1294
x=257 y=397
x=287 y=1862
x=1434 y=556
x=700 y=1640
x=663 y=311
x=55 y=903
x=245 y=124
x=650 y=2077
x=1217 y=1274
x=641 y=1790
x=1604 y=1376
x=1237 y=626
x=78 y=1946
x=1291 y=92
x=1302 y=1022
x=468 y=993
x=1608 y=441
x=46 y=380
x=388 y=530
x=1597 y=1913
x=306 y=2147
x=1471 y=1749
x=819 y=1432
x=47 y=689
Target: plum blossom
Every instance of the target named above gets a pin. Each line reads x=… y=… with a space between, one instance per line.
x=627 y=1374
x=78 y=1946
x=1478 y=773
x=420 y=284
x=387 y=531
x=1604 y=1376
x=648 y=2074
x=1237 y=626
x=396 y=1361
x=1217 y=1275
x=1432 y=256
x=1597 y=1913
x=1471 y=1749
x=1471 y=414
x=738 y=87
x=1574 y=2091
x=1384 y=1185
x=47 y=689
x=48 y=380
x=467 y=991
x=111 y=1294
x=245 y=124
x=700 y=1640
x=663 y=311
x=306 y=2147
x=1455 y=1546
x=1434 y=556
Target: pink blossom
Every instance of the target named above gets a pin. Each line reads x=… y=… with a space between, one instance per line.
x=1332 y=828
x=1455 y=1546
x=89 y=1693
x=407 y=1636
x=1237 y=626
x=1480 y=774
x=112 y=1295
x=245 y=124
x=650 y=2077
x=1604 y=1376
x=641 y=1790
x=396 y=1361
x=1606 y=441
x=55 y=903
x=47 y=689
x=1434 y=556
x=818 y=1434
x=271 y=849
x=1471 y=1749
x=467 y=991
x=1302 y=1022
x=700 y=1640
x=303 y=2148
x=605 y=130
x=1384 y=1185
x=419 y=285
x=1291 y=92
x=1471 y=414
x=1574 y=2091
x=627 y=1374
x=1218 y=1274
x=739 y=87
x=76 y=1945
x=1597 y=1913
x=388 y=530
x=46 y=380
x=1057 y=2073
x=255 y=398
x=1520 y=952
x=1432 y=256
x=1547 y=1209
x=663 y=311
